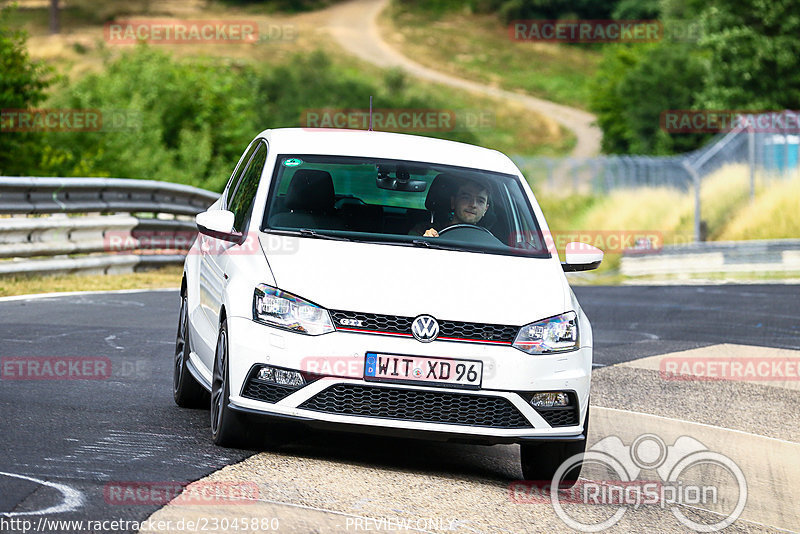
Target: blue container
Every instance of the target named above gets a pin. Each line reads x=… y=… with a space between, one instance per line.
x=781 y=152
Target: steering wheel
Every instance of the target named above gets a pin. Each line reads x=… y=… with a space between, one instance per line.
x=465 y=225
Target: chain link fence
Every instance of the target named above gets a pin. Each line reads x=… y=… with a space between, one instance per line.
x=767 y=143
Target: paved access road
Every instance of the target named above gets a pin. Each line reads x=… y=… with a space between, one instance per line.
x=63 y=442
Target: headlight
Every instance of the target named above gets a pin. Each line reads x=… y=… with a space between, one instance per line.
x=556 y=334
x=278 y=308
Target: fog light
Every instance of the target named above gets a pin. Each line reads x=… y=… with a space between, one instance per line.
x=281 y=377
x=550 y=399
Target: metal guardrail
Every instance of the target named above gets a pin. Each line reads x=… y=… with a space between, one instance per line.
x=32 y=195
x=95 y=225
x=721 y=257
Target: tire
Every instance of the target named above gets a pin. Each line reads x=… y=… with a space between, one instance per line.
x=187 y=392
x=228 y=427
x=540 y=461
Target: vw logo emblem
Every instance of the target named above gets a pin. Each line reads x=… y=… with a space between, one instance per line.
x=425 y=328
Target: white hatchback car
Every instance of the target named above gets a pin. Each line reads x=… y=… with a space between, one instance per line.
x=385 y=283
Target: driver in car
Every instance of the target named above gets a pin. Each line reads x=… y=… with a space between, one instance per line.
x=468 y=206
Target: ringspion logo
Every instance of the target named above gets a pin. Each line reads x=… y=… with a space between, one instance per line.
x=680 y=485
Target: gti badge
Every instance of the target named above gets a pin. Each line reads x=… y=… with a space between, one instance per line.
x=350 y=322
x=425 y=328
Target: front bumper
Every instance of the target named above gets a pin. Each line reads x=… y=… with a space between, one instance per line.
x=507 y=375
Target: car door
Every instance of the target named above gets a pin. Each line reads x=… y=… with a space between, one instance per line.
x=204 y=317
x=216 y=253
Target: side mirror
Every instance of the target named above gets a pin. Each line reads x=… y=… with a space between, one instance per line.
x=218 y=224
x=581 y=257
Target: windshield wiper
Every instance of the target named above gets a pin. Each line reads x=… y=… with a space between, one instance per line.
x=429 y=244
x=306 y=232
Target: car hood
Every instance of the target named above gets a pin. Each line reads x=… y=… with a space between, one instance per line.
x=409 y=281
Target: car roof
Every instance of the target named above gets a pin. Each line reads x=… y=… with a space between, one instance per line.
x=388 y=145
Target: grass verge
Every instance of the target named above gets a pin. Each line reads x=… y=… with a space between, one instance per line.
x=727 y=211
x=478 y=47
x=165 y=277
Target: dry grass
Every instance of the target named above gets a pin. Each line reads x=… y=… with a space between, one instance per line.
x=774 y=214
x=478 y=47
x=81 y=49
x=725 y=208
x=165 y=277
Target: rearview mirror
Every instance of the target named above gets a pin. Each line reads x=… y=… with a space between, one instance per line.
x=398 y=184
x=581 y=257
x=218 y=224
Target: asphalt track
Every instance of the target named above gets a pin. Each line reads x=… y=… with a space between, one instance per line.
x=64 y=441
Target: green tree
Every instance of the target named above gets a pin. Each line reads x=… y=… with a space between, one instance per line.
x=23 y=83
x=637 y=9
x=509 y=10
x=162 y=119
x=754 y=47
x=635 y=85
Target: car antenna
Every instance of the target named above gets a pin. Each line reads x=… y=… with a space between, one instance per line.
x=370 y=113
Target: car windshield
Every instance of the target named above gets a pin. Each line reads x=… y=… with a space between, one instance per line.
x=402 y=202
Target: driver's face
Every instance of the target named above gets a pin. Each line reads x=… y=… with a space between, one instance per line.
x=470 y=204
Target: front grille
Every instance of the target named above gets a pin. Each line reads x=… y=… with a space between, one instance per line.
x=417 y=405
x=395 y=324
x=567 y=416
x=263 y=391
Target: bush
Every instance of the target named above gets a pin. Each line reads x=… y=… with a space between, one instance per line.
x=189 y=122
x=634 y=85
x=182 y=122
x=509 y=10
x=289 y=6
x=23 y=83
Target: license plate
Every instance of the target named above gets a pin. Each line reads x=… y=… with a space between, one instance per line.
x=423 y=370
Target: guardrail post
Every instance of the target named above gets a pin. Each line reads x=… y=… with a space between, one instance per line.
x=751 y=157
x=696 y=180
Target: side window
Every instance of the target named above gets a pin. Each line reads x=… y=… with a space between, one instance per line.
x=241 y=203
x=237 y=173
